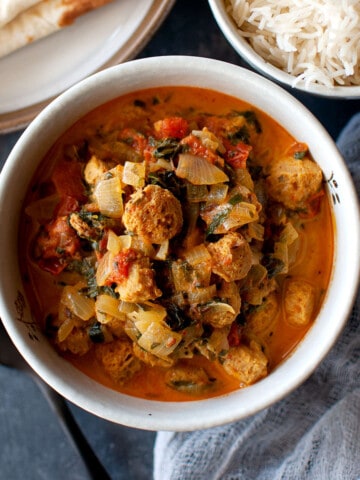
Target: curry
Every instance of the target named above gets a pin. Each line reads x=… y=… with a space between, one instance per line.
x=178 y=244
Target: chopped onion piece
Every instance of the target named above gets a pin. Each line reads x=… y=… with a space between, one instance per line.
x=218 y=193
x=131 y=330
x=281 y=253
x=163 y=251
x=289 y=234
x=243 y=177
x=160 y=164
x=159 y=339
x=144 y=246
x=108 y=196
x=104 y=269
x=80 y=305
x=197 y=254
x=240 y=214
x=151 y=313
x=65 y=329
x=127 y=307
x=256 y=231
x=218 y=307
x=134 y=174
x=198 y=171
x=202 y=294
x=116 y=243
x=196 y=193
x=106 y=308
x=209 y=140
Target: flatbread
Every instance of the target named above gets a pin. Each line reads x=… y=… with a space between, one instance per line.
x=43 y=18
x=9 y=9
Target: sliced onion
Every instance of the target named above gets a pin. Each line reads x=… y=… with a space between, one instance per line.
x=160 y=164
x=241 y=214
x=243 y=178
x=144 y=246
x=80 y=305
x=106 y=308
x=202 y=295
x=134 y=174
x=65 y=329
x=198 y=171
x=196 y=193
x=131 y=330
x=163 y=251
x=256 y=231
x=108 y=196
x=209 y=140
x=151 y=313
x=197 y=254
x=104 y=269
x=159 y=339
x=281 y=253
x=217 y=193
x=127 y=307
x=116 y=243
x=289 y=234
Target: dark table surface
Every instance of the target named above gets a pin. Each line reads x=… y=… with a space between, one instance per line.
x=33 y=445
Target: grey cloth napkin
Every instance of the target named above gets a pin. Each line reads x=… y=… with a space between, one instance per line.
x=314 y=433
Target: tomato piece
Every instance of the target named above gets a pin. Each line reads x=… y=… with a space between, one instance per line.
x=56 y=245
x=135 y=139
x=66 y=206
x=67 y=178
x=196 y=147
x=234 y=335
x=313 y=205
x=173 y=127
x=237 y=155
x=298 y=150
x=122 y=264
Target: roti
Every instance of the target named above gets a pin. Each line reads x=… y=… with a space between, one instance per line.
x=25 y=21
x=9 y=9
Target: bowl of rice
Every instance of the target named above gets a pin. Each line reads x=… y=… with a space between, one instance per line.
x=312 y=46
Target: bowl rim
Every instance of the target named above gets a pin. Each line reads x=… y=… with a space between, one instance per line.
x=148 y=414
x=230 y=30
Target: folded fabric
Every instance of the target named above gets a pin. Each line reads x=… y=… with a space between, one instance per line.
x=28 y=21
x=314 y=433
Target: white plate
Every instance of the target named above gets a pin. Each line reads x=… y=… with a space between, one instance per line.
x=33 y=75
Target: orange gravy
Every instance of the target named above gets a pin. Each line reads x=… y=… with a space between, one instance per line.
x=316 y=249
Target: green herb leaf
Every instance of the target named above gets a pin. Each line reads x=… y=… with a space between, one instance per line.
x=167 y=148
x=217 y=221
x=96 y=334
x=237 y=198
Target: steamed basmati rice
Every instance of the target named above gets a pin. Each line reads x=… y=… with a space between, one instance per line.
x=318 y=41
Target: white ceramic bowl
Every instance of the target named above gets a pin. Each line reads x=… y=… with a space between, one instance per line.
x=98 y=89
x=243 y=48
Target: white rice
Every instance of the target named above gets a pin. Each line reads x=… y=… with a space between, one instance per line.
x=317 y=41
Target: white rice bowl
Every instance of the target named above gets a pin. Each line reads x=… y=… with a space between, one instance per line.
x=310 y=45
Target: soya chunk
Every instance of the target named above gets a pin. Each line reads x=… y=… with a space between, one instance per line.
x=264 y=316
x=293 y=182
x=77 y=342
x=188 y=379
x=118 y=359
x=139 y=285
x=154 y=214
x=231 y=257
x=246 y=363
x=299 y=302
